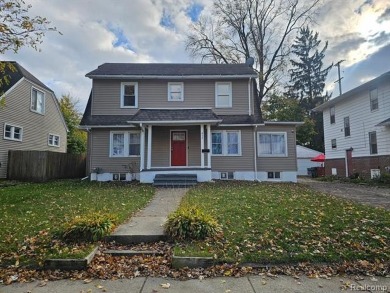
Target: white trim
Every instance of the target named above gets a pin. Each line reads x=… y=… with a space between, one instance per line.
x=126 y=144
x=13 y=132
x=224 y=143
x=54 y=135
x=297 y=123
x=120 y=76
x=170 y=146
x=201 y=145
x=230 y=94
x=142 y=149
x=135 y=84
x=12 y=87
x=182 y=91
x=272 y=155
x=149 y=157
x=208 y=127
x=33 y=88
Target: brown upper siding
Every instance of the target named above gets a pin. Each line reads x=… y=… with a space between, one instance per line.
x=36 y=127
x=154 y=94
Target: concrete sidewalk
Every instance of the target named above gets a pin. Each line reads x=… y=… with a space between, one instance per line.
x=147 y=224
x=252 y=284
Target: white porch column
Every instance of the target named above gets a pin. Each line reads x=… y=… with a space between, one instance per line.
x=201 y=146
x=142 y=151
x=149 y=158
x=209 y=146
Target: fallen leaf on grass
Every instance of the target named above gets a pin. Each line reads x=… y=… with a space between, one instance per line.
x=166 y=285
x=86 y=281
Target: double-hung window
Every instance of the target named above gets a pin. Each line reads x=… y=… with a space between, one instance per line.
x=53 y=140
x=332 y=115
x=374 y=105
x=129 y=95
x=373 y=143
x=13 y=132
x=333 y=143
x=223 y=94
x=272 y=144
x=226 y=143
x=124 y=144
x=37 y=101
x=347 y=128
x=175 y=91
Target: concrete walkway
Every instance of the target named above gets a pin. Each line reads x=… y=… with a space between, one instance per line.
x=252 y=284
x=147 y=224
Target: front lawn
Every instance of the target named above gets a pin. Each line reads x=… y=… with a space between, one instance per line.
x=278 y=223
x=30 y=214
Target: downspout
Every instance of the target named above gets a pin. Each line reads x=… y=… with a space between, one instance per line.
x=249 y=97
x=255 y=151
x=88 y=130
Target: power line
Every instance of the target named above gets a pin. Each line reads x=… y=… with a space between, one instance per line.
x=340 y=78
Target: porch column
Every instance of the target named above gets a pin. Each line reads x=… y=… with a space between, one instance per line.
x=201 y=146
x=149 y=158
x=209 y=146
x=142 y=151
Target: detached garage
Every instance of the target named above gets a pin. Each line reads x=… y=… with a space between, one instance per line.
x=303 y=159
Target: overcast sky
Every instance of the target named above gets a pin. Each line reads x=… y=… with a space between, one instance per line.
x=99 y=31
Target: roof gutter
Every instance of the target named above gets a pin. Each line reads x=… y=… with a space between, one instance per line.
x=283 y=123
x=176 y=122
x=124 y=76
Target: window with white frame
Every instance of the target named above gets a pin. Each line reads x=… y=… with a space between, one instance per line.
x=272 y=144
x=124 y=144
x=129 y=95
x=223 y=94
x=13 y=132
x=54 y=140
x=37 y=101
x=175 y=91
x=226 y=143
x=373 y=143
x=347 y=127
x=332 y=115
x=333 y=143
x=374 y=105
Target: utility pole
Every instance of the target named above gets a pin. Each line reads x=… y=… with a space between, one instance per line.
x=340 y=78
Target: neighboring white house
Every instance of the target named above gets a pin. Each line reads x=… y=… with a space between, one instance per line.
x=304 y=155
x=357 y=130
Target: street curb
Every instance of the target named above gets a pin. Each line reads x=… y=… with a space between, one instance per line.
x=131 y=252
x=71 y=263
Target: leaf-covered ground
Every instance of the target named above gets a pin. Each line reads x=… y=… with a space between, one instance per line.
x=288 y=223
x=30 y=214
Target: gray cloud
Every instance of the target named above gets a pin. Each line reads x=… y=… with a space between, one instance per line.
x=385 y=16
x=380 y=39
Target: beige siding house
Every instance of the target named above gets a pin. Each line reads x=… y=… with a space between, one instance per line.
x=146 y=120
x=30 y=117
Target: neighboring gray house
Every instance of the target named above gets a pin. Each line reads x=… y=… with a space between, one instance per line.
x=357 y=130
x=30 y=118
x=145 y=120
x=304 y=156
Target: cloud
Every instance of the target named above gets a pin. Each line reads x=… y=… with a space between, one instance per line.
x=385 y=16
x=380 y=39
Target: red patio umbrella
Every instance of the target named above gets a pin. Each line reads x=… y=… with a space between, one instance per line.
x=319 y=158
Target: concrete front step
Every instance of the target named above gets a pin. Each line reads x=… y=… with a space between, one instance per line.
x=175 y=180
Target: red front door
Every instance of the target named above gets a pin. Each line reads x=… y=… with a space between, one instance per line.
x=178 y=148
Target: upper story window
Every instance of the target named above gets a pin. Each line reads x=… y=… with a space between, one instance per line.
x=226 y=143
x=333 y=143
x=223 y=94
x=129 y=95
x=332 y=115
x=175 y=91
x=53 y=140
x=13 y=132
x=272 y=144
x=373 y=143
x=37 y=101
x=124 y=144
x=347 y=128
x=374 y=105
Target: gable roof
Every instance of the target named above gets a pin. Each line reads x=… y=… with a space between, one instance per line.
x=350 y=94
x=17 y=75
x=304 y=152
x=169 y=70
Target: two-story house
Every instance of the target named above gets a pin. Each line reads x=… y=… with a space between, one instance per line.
x=357 y=130
x=29 y=115
x=145 y=120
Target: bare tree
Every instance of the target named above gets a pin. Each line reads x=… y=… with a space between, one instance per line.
x=262 y=29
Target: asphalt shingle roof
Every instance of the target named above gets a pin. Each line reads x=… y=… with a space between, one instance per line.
x=175 y=115
x=169 y=69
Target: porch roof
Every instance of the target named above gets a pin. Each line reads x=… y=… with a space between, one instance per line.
x=384 y=123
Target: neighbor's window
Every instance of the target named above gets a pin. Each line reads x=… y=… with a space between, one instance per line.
x=347 y=129
x=129 y=95
x=373 y=143
x=332 y=115
x=124 y=144
x=333 y=144
x=175 y=91
x=272 y=144
x=226 y=143
x=37 y=101
x=54 y=140
x=13 y=132
x=223 y=94
x=374 y=99
x=273 y=175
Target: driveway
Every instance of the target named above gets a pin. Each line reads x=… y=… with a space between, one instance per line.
x=375 y=196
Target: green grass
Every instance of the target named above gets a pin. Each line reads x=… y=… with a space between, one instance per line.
x=278 y=223
x=31 y=214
